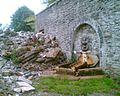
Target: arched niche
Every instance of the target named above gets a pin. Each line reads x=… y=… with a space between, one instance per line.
x=88 y=31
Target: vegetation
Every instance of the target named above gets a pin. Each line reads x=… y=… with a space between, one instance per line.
x=19 y=19
x=49 y=1
x=12 y=56
x=30 y=21
x=75 y=88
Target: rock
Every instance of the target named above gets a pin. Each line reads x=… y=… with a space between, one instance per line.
x=18 y=90
x=95 y=60
x=2 y=64
x=5 y=53
x=25 y=86
x=8 y=42
x=40 y=60
x=54 y=44
x=22 y=84
x=38 y=49
x=23 y=79
x=28 y=55
x=1 y=35
x=28 y=42
x=53 y=52
x=30 y=78
x=7 y=72
x=22 y=50
x=7 y=79
x=47 y=40
x=52 y=37
x=19 y=73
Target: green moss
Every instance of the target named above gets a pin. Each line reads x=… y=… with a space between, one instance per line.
x=75 y=88
x=13 y=57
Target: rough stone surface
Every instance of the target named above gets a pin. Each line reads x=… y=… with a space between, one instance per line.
x=99 y=19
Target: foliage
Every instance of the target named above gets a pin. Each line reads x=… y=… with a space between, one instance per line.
x=13 y=57
x=1 y=28
x=49 y=1
x=75 y=88
x=18 y=19
x=30 y=21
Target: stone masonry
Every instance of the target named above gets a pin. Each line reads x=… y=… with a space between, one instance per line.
x=69 y=20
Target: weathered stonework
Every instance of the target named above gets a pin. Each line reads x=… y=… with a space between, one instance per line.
x=99 y=19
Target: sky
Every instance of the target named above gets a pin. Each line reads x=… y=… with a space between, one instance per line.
x=8 y=7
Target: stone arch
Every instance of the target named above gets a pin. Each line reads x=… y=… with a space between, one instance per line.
x=95 y=35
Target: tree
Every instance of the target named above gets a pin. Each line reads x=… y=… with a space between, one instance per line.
x=49 y=1
x=19 y=19
x=1 y=28
x=30 y=21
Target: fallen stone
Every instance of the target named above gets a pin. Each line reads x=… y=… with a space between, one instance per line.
x=53 y=52
x=5 y=53
x=1 y=58
x=30 y=78
x=22 y=84
x=47 y=40
x=7 y=72
x=25 y=86
x=18 y=90
x=23 y=79
x=90 y=72
x=2 y=64
x=40 y=60
x=52 y=37
x=22 y=50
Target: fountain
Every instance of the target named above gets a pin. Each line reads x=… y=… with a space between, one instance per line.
x=84 y=65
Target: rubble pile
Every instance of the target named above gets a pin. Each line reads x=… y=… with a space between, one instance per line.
x=36 y=52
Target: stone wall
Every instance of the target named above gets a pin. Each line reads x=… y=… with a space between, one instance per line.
x=64 y=18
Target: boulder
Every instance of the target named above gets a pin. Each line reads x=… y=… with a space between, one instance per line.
x=40 y=60
x=24 y=87
x=7 y=72
x=52 y=37
x=47 y=40
x=53 y=52
x=22 y=50
x=9 y=42
x=23 y=79
x=5 y=53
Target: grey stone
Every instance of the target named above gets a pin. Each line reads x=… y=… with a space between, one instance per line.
x=53 y=52
x=2 y=64
x=25 y=86
x=23 y=79
x=7 y=72
x=18 y=90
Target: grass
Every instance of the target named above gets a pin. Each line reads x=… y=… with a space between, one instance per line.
x=75 y=88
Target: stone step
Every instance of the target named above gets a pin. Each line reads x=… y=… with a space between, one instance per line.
x=72 y=77
x=90 y=72
x=80 y=72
